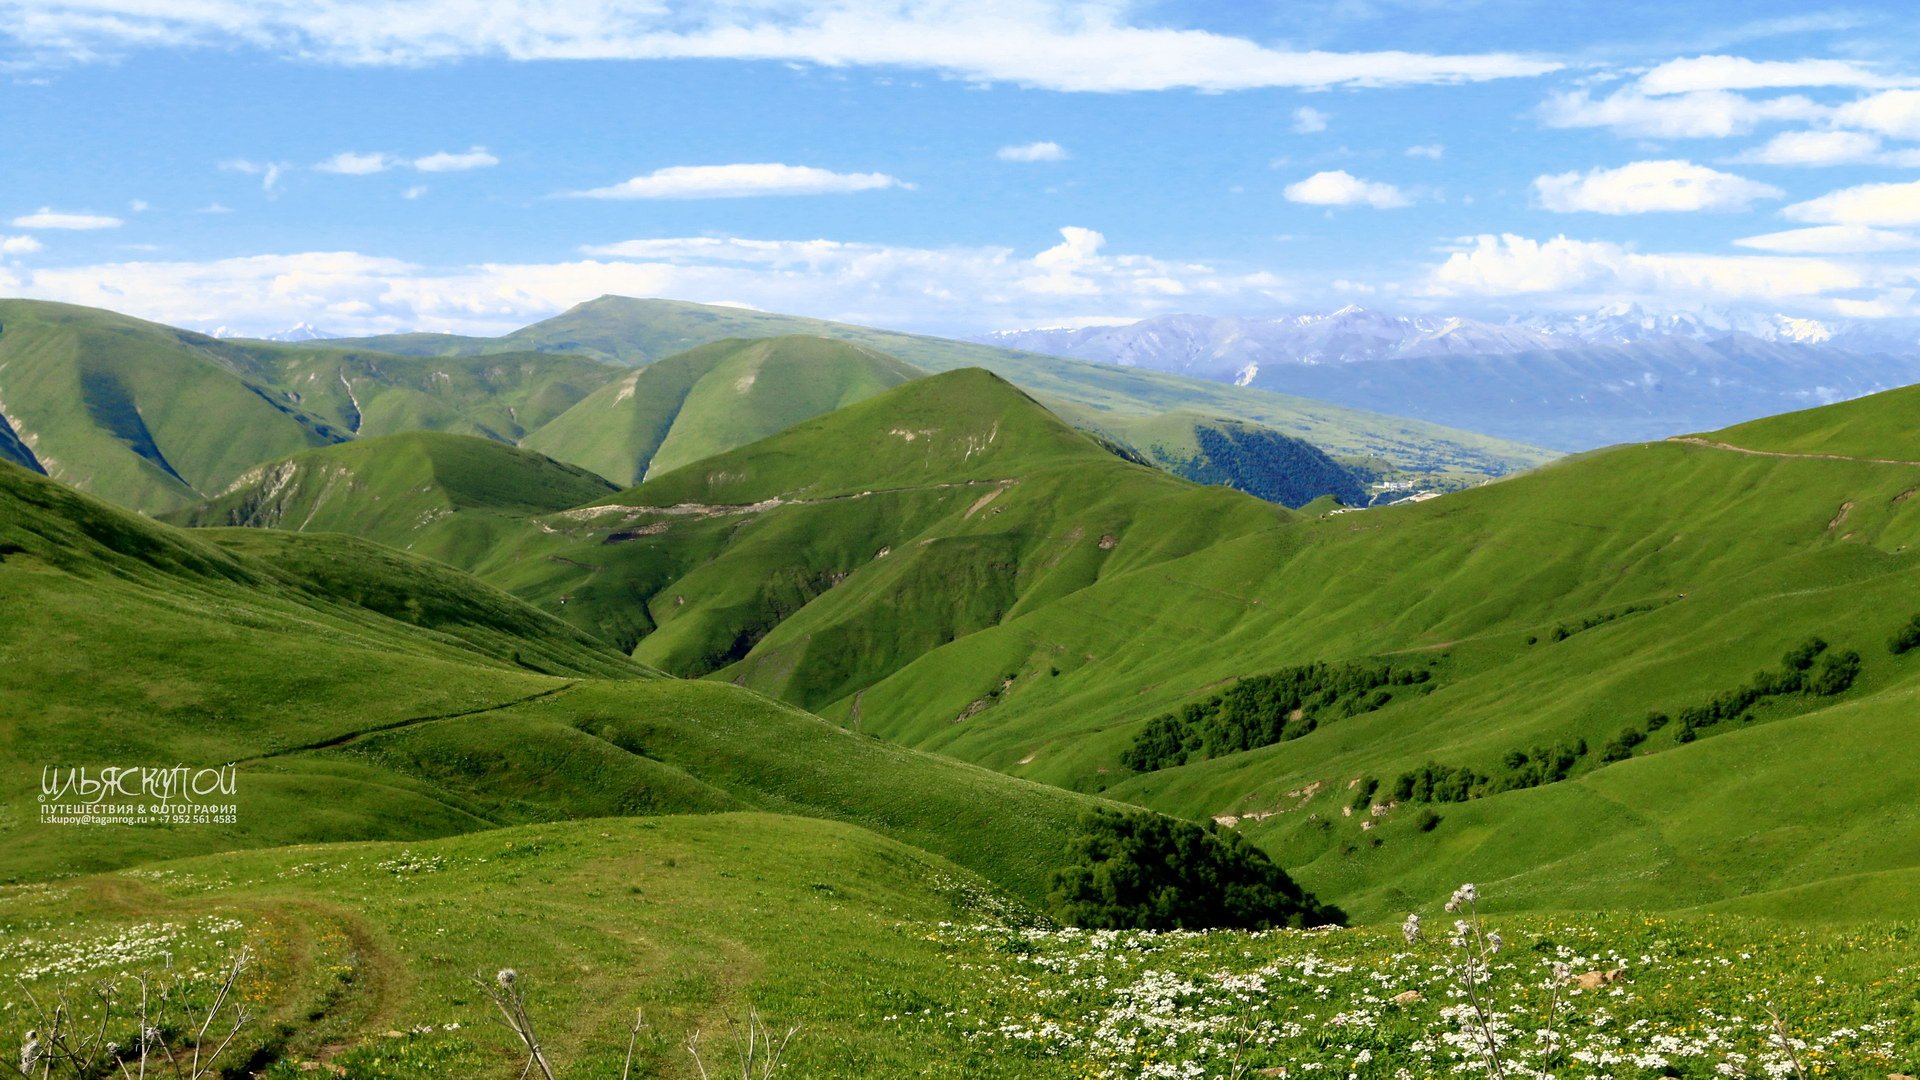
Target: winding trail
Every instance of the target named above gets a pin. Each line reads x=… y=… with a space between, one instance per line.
x=351 y=737
x=1693 y=440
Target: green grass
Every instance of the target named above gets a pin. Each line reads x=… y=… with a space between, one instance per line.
x=372 y=694
x=891 y=962
x=711 y=399
x=451 y=497
x=156 y=418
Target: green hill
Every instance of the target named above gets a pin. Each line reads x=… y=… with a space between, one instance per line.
x=817 y=561
x=710 y=399
x=1562 y=606
x=452 y=497
x=632 y=331
x=155 y=418
x=369 y=694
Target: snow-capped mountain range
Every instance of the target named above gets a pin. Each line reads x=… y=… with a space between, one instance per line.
x=1568 y=381
x=297 y=332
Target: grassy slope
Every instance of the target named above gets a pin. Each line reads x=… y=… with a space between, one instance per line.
x=633 y=331
x=1743 y=555
x=711 y=399
x=370 y=694
x=815 y=562
x=452 y=497
x=119 y=407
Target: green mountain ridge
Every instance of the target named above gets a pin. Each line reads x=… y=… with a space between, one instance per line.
x=710 y=399
x=634 y=331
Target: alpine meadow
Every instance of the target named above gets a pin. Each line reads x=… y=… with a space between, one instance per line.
x=1075 y=541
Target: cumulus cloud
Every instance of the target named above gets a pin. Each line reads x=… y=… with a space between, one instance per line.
x=48 y=218
x=18 y=245
x=1739 y=73
x=889 y=285
x=1833 y=240
x=1895 y=114
x=444 y=161
x=1650 y=186
x=1071 y=45
x=1033 y=151
x=1584 y=272
x=352 y=163
x=1703 y=114
x=1430 y=151
x=356 y=163
x=1866 y=204
x=1338 y=187
x=1308 y=120
x=741 y=181
x=1815 y=148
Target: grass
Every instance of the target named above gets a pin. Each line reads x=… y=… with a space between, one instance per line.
x=711 y=399
x=894 y=963
x=371 y=694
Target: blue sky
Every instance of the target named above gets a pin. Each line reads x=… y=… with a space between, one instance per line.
x=955 y=167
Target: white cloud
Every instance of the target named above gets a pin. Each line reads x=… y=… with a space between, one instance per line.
x=1642 y=187
x=1033 y=151
x=473 y=158
x=1704 y=114
x=48 y=218
x=1867 y=204
x=353 y=163
x=937 y=289
x=1738 y=73
x=1307 y=120
x=1071 y=45
x=18 y=245
x=1833 y=240
x=1341 y=188
x=1895 y=114
x=414 y=192
x=739 y=181
x=269 y=173
x=1581 y=273
x=1815 y=148
x=1431 y=151
x=139 y=206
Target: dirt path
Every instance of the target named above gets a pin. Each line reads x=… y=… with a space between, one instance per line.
x=351 y=737
x=1696 y=441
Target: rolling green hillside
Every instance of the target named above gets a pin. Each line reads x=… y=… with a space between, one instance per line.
x=632 y=331
x=713 y=398
x=451 y=497
x=815 y=562
x=155 y=418
x=368 y=694
x=1562 y=606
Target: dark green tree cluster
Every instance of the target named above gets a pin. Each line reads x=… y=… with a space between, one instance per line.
x=1906 y=638
x=1808 y=668
x=1567 y=630
x=1267 y=465
x=1267 y=709
x=1145 y=871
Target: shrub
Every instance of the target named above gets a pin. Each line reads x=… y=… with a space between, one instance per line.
x=1427 y=821
x=1146 y=871
x=1906 y=638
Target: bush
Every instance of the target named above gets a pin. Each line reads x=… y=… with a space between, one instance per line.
x=1906 y=638
x=1151 y=872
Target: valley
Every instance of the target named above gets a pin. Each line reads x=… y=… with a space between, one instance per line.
x=787 y=675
